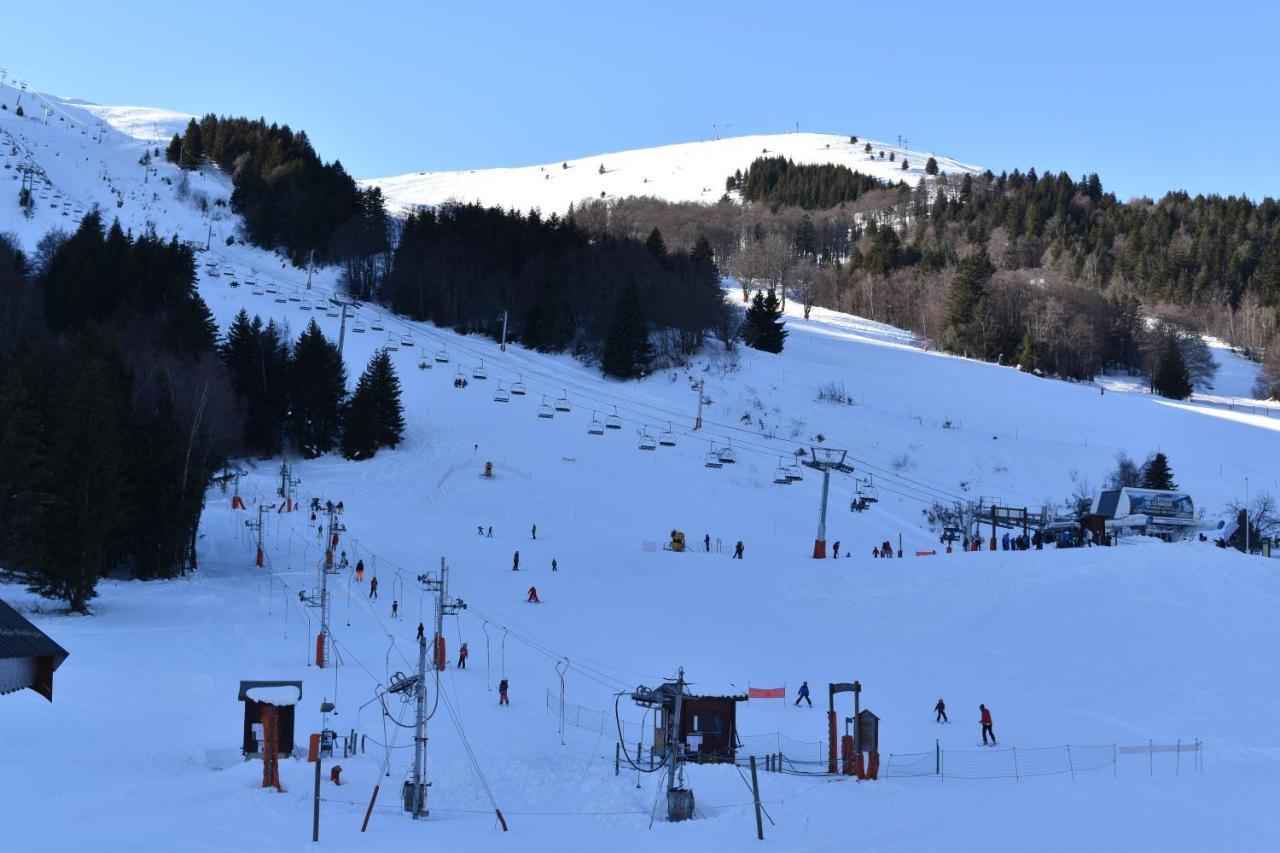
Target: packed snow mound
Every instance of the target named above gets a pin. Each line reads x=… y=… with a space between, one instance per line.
x=282 y=695
x=690 y=171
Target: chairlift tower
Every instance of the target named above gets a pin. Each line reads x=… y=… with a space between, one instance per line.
x=320 y=598
x=670 y=698
x=258 y=527
x=288 y=486
x=444 y=606
x=825 y=459
x=415 y=792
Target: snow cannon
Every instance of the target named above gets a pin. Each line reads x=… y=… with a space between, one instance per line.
x=488 y=470
x=677 y=541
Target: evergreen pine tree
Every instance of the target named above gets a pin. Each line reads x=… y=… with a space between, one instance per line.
x=191 y=154
x=359 y=430
x=1170 y=378
x=1156 y=474
x=627 y=351
x=763 y=328
x=386 y=394
x=317 y=387
x=656 y=245
x=174 y=151
x=1027 y=353
x=931 y=167
x=968 y=289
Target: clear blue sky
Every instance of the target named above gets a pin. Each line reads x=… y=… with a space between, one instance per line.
x=1152 y=96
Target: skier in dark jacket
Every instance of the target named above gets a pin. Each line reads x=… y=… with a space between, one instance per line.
x=373 y=589
x=502 y=692
x=986 y=725
x=804 y=694
x=737 y=550
x=941 y=708
x=462 y=656
x=515 y=562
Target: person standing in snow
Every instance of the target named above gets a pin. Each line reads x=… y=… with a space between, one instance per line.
x=875 y=553
x=462 y=656
x=804 y=694
x=502 y=693
x=533 y=531
x=395 y=609
x=737 y=550
x=373 y=589
x=555 y=567
x=986 y=725
x=489 y=535
x=359 y=569
x=941 y=709
x=706 y=543
x=479 y=530
x=533 y=596
x=835 y=551
x=515 y=562
x=421 y=632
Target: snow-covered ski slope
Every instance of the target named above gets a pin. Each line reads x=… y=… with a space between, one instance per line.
x=690 y=171
x=139 y=750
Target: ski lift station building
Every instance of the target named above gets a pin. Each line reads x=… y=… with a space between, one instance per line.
x=708 y=725
x=1168 y=515
x=28 y=657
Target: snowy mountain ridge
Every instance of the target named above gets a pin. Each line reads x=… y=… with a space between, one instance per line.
x=689 y=171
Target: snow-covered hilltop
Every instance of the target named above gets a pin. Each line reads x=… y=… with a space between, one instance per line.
x=689 y=171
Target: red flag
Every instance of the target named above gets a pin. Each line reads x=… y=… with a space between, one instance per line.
x=767 y=692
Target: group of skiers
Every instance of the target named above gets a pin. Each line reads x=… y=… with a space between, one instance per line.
x=984 y=719
x=802 y=695
x=883 y=550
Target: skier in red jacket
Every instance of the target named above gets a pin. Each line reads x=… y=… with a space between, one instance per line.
x=986 y=725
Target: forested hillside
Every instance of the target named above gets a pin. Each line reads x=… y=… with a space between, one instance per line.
x=1068 y=276
x=290 y=199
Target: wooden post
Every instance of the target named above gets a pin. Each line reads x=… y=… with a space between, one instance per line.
x=755 y=792
x=369 y=810
x=617 y=758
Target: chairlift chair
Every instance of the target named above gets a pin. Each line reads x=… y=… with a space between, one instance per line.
x=423 y=362
x=272 y=287
x=213 y=272
x=613 y=421
x=501 y=394
x=377 y=326
x=281 y=298
x=545 y=410
x=596 y=427
x=331 y=310
x=780 y=477
x=712 y=459
x=294 y=297
x=667 y=438
x=392 y=344
x=517 y=387
x=479 y=372
x=406 y=340
x=562 y=403
x=442 y=355
x=866 y=489
x=305 y=305
x=358 y=326
x=229 y=270
x=726 y=454
x=234 y=283
x=251 y=281
x=258 y=291
x=647 y=442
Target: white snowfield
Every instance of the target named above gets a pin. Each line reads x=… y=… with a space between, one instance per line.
x=690 y=171
x=1099 y=648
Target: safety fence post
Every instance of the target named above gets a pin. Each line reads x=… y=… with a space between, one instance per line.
x=937 y=757
x=1071 y=764
x=1015 y=764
